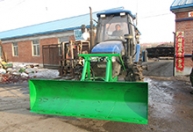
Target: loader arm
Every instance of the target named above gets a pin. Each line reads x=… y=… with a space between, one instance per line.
x=87 y=68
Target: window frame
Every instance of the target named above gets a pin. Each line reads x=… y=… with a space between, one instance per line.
x=15 y=50
x=35 y=48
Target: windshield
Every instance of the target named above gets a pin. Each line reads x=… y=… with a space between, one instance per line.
x=112 y=27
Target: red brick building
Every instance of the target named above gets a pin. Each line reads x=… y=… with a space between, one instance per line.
x=183 y=10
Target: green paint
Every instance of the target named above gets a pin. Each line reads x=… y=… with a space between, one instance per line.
x=104 y=100
x=86 y=74
x=115 y=101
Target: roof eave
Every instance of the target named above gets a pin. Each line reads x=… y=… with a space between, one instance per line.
x=43 y=33
x=174 y=8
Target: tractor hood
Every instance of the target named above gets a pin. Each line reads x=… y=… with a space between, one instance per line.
x=109 y=47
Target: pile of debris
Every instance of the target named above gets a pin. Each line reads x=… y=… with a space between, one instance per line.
x=14 y=73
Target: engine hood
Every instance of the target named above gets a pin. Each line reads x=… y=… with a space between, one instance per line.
x=109 y=47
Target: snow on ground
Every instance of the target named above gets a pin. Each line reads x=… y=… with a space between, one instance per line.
x=44 y=73
x=21 y=71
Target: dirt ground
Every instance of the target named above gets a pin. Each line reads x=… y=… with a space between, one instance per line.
x=170 y=108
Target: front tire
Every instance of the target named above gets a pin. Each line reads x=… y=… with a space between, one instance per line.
x=134 y=73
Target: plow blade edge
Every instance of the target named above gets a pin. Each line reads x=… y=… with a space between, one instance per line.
x=115 y=101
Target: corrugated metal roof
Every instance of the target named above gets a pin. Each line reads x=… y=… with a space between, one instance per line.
x=179 y=4
x=61 y=25
x=49 y=27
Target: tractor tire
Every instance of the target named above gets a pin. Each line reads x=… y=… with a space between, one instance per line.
x=134 y=73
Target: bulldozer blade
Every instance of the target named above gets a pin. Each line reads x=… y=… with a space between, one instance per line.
x=114 y=101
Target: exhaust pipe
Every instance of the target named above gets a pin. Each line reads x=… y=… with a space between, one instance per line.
x=91 y=29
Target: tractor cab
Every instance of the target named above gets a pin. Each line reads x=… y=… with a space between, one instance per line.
x=114 y=24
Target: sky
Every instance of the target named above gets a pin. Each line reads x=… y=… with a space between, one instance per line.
x=155 y=20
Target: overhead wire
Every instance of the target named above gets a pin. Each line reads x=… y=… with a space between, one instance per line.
x=152 y=16
x=8 y=4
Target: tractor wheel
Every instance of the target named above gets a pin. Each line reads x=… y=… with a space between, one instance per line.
x=134 y=73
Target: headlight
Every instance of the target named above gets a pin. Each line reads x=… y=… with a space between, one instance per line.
x=102 y=15
x=122 y=14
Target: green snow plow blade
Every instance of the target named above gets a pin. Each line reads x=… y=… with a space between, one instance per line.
x=115 y=101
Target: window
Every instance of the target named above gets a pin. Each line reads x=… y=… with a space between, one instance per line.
x=35 y=48
x=15 y=49
x=108 y=25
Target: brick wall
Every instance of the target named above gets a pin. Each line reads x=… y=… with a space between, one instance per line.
x=25 y=51
x=187 y=27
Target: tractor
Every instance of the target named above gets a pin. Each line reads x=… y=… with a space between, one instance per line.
x=106 y=80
